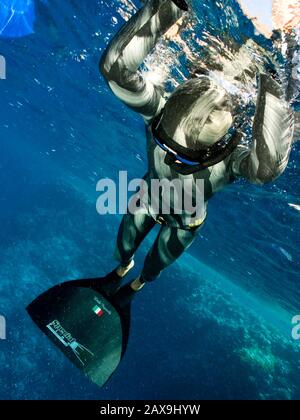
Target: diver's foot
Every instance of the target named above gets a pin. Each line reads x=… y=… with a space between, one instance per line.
x=122 y=271
x=136 y=285
x=112 y=282
x=125 y=295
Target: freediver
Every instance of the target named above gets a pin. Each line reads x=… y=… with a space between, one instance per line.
x=192 y=133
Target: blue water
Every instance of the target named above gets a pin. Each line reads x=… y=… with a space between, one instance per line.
x=217 y=324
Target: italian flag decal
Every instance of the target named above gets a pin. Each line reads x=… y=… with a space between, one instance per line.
x=98 y=311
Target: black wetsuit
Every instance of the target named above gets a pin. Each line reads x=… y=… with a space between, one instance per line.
x=264 y=161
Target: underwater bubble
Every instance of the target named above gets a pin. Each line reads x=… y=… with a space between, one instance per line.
x=286 y=253
x=16 y=18
x=294 y=206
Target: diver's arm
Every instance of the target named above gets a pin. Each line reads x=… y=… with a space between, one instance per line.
x=127 y=51
x=272 y=136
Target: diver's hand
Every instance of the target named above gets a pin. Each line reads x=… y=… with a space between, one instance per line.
x=173 y=32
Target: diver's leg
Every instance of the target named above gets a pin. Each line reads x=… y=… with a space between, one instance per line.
x=133 y=229
x=167 y=248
